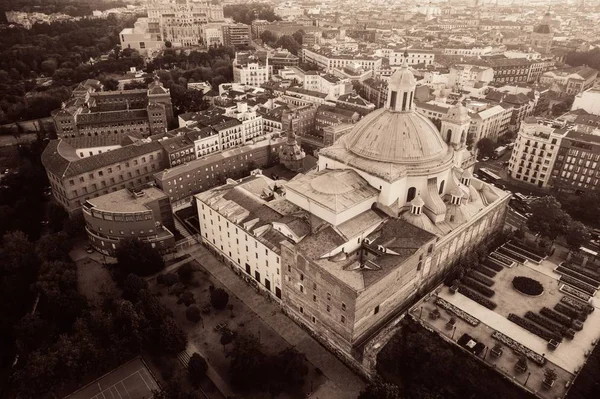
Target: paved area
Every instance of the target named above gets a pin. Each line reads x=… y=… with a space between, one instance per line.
x=221 y=385
x=343 y=383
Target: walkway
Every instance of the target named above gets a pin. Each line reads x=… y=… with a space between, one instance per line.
x=221 y=385
x=343 y=383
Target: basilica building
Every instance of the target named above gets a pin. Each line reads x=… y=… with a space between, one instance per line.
x=347 y=247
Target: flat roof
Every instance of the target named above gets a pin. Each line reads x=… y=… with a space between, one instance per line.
x=125 y=201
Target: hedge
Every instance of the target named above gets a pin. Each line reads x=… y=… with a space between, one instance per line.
x=546 y=323
x=482 y=289
x=486 y=271
x=534 y=328
x=581 y=271
x=477 y=297
x=578 y=284
x=574 y=303
x=488 y=282
x=491 y=263
x=558 y=317
x=512 y=255
x=578 y=276
x=572 y=313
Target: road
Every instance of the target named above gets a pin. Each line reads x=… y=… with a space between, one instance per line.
x=515 y=219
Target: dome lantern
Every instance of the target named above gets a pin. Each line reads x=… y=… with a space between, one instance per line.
x=401 y=88
x=416 y=205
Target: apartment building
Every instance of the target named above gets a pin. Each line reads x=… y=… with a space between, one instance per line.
x=74 y=180
x=144 y=214
x=413 y=56
x=93 y=112
x=577 y=165
x=251 y=69
x=570 y=81
x=465 y=75
x=182 y=182
x=326 y=83
x=282 y=59
x=328 y=59
x=142 y=38
x=236 y=35
x=535 y=151
x=490 y=122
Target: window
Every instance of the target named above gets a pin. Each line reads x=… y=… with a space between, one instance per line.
x=343 y=319
x=328 y=296
x=301 y=288
x=301 y=310
x=301 y=277
x=343 y=306
x=314 y=319
x=314 y=298
x=328 y=308
x=289 y=267
x=393 y=99
x=376 y=309
x=412 y=193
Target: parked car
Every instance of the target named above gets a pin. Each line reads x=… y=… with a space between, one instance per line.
x=485 y=159
x=220 y=326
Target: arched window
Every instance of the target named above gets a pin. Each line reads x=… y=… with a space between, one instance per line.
x=412 y=193
x=448 y=136
x=393 y=99
x=441 y=187
x=463 y=136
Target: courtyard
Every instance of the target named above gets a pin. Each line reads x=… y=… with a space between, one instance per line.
x=238 y=318
x=457 y=317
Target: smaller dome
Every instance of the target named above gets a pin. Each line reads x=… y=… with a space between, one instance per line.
x=402 y=78
x=459 y=113
x=417 y=201
x=467 y=174
x=457 y=193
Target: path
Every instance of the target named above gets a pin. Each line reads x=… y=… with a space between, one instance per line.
x=211 y=373
x=343 y=383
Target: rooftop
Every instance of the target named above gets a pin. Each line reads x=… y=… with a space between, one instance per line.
x=126 y=201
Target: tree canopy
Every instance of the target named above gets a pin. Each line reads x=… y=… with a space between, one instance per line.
x=548 y=219
x=380 y=389
x=246 y=13
x=138 y=257
x=219 y=298
x=486 y=147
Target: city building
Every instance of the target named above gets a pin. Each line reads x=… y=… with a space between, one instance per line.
x=413 y=56
x=489 y=121
x=542 y=34
x=281 y=59
x=93 y=112
x=464 y=75
x=251 y=69
x=236 y=35
x=212 y=34
x=589 y=101
x=354 y=102
x=144 y=214
x=570 y=81
x=374 y=91
x=352 y=244
x=142 y=37
x=74 y=180
x=287 y=10
x=522 y=105
x=182 y=182
x=577 y=165
x=535 y=151
x=328 y=59
x=328 y=84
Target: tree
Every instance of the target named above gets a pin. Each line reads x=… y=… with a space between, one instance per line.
x=172 y=339
x=197 y=368
x=577 y=234
x=219 y=298
x=248 y=363
x=193 y=314
x=168 y=44
x=268 y=37
x=380 y=389
x=287 y=42
x=486 y=147
x=138 y=257
x=288 y=369
x=132 y=286
x=548 y=219
x=56 y=217
x=110 y=84
x=298 y=36
x=54 y=247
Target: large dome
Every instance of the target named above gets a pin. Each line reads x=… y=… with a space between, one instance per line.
x=396 y=137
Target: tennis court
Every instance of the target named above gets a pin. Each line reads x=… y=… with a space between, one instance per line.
x=129 y=381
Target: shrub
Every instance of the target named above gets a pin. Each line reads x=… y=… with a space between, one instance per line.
x=477 y=297
x=577 y=275
x=578 y=284
x=534 y=328
x=580 y=306
x=581 y=271
x=482 y=289
x=572 y=313
x=491 y=263
x=546 y=323
x=193 y=314
x=197 y=369
x=186 y=273
x=167 y=279
x=558 y=317
x=511 y=255
x=177 y=289
x=187 y=298
x=481 y=279
x=486 y=271
x=219 y=298
x=527 y=285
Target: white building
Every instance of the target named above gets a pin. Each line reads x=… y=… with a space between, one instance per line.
x=252 y=123
x=286 y=11
x=328 y=59
x=413 y=57
x=535 y=150
x=232 y=222
x=490 y=122
x=251 y=71
x=465 y=75
x=212 y=34
x=588 y=101
x=390 y=209
x=140 y=38
x=328 y=84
